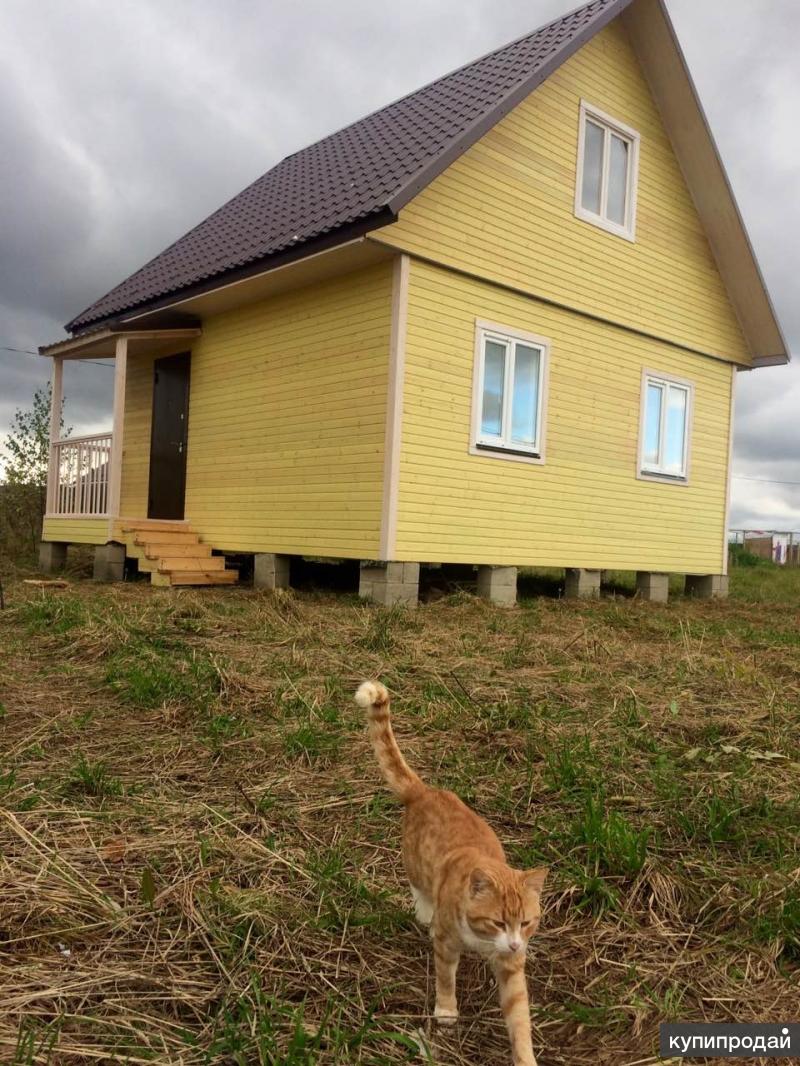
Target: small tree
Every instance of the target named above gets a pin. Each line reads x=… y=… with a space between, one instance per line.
x=27 y=446
x=27 y=457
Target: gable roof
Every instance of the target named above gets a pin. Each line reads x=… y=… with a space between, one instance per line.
x=359 y=177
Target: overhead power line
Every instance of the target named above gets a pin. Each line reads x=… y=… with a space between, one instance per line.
x=766 y=480
x=27 y=351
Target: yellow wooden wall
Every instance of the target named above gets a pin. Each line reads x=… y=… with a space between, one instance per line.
x=286 y=421
x=76 y=530
x=136 y=437
x=505 y=210
x=584 y=507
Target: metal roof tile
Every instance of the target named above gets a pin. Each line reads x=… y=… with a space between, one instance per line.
x=357 y=172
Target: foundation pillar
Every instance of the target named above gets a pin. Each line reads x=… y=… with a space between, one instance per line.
x=498 y=584
x=270 y=571
x=582 y=584
x=52 y=556
x=389 y=583
x=109 y=562
x=652 y=587
x=707 y=586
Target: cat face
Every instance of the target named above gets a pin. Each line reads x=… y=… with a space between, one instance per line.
x=503 y=912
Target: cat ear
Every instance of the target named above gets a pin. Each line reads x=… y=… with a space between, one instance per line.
x=479 y=881
x=534 y=879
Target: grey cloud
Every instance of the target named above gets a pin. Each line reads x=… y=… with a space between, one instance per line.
x=124 y=124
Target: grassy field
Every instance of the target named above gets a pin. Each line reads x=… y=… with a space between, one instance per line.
x=200 y=865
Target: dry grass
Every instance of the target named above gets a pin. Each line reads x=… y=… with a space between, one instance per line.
x=199 y=864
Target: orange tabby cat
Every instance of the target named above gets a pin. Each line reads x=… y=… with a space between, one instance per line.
x=461 y=883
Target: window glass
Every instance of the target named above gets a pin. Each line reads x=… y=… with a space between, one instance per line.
x=652 y=428
x=526 y=395
x=592 y=167
x=617 y=180
x=675 y=431
x=494 y=368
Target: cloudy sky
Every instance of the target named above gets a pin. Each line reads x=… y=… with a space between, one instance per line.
x=124 y=122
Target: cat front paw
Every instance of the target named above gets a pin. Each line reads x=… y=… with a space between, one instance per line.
x=445 y=1015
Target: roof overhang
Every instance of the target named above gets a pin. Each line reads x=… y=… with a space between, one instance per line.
x=656 y=44
x=310 y=269
x=103 y=342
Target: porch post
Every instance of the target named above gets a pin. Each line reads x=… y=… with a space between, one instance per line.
x=56 y=404
x=115 y=470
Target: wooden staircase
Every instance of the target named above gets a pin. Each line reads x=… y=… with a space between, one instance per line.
x=172 y=553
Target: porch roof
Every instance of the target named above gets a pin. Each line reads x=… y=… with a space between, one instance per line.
x=103 y=342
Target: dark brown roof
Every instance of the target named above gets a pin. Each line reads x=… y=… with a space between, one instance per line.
x=359 y=177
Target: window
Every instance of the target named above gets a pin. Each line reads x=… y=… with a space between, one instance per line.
x=509 y=392
x=666 y=415
x=608 y=160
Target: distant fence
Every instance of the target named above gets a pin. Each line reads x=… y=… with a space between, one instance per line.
x=777 y=546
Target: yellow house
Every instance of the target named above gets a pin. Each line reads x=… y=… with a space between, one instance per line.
x=497 y=322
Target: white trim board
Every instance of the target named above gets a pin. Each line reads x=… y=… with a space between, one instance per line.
x=729 y=476
x=394 y=408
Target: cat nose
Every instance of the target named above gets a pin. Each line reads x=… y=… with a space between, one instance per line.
x=514 y=945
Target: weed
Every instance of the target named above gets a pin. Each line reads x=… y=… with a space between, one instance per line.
x=220 y=728
x=345 y=900
x=8 y=782
x=595 y=894
x=255 y=1027
x=52 y=614
x=569 y=766
x=318 y=736
x=147 y=677
x=613 y=845
x=384 y=626
x=92 y=779
x=713 y=816
x=781 y=924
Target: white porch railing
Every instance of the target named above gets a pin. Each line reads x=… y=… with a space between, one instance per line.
x=80 y=475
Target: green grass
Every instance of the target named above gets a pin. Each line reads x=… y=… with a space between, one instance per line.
x=147 y=676
x=611 y=844
x=91 y=779
x=52 y=614
x=192 y=817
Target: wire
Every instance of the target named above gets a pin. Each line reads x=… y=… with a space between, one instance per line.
x=27 y=351
x=766 y=480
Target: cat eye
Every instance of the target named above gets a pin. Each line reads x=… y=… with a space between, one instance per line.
x=500 y=925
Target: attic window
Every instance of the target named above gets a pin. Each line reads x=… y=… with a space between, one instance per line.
x=608 y=163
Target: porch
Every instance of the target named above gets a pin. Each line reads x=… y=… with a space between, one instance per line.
x=85 y=473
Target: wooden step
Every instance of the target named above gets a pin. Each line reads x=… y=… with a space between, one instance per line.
x=191 y=562
x=196 y=577
x=172 y=536
x=131 y=525
x=160 y=550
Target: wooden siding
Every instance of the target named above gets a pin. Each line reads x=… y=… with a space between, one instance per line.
x=76 y=530
x=286 y=421
x=136 y=436
x=585 y=506
x=505 y=211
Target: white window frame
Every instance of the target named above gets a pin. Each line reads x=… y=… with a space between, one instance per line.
x=656 y=473
x=504 y=447
x=590 y=113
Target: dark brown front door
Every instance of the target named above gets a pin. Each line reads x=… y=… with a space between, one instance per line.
x=169 y=436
